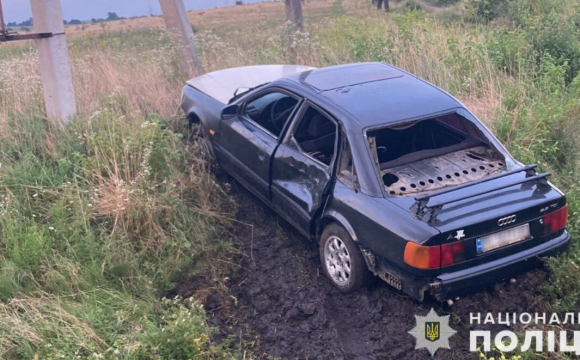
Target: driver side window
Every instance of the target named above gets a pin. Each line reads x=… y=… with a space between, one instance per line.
x=271 y=111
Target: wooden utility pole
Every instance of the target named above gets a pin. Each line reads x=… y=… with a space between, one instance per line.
x=55 y=71
x=178 y=24
x=294 y=13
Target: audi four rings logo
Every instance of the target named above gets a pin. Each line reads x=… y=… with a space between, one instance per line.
x=506 y=220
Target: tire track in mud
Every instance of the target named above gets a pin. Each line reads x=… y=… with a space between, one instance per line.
x=290 y=311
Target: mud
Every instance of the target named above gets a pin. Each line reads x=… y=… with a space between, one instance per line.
x=287 y=309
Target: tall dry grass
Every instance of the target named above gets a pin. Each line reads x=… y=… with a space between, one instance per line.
x=147 y=79
x=141 y=67
x=149 y=85
x=454 y=57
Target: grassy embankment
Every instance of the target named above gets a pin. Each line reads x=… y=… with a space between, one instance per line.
x=99 y=219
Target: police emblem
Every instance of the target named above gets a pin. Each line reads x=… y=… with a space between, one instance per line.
x=432 y=332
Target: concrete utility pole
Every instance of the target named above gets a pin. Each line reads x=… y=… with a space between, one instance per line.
x=55 y=71
x=178 y=24
x=294 y=13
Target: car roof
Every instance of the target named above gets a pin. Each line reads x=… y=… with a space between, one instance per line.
x=376 y=94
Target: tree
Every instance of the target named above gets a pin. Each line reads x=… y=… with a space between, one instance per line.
x=26 y=23
x=75 y=22
x=294 y=13
x=112 y=16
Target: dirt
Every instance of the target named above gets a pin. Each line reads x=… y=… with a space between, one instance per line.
x=287 y=309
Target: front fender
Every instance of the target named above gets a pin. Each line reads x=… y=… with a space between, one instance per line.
x=200 y=108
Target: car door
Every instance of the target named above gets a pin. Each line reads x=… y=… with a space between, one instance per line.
x=249 y=139
x=302 y=166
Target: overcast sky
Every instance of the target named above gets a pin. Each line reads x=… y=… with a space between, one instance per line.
x=19 y=10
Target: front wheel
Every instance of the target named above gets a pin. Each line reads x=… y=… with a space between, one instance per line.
x=342 y=260
x=197 y=133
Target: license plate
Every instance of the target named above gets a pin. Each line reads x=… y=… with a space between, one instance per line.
x=502 y=238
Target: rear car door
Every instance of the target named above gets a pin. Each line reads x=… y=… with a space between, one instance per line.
x=249 y=139
x=302 y=166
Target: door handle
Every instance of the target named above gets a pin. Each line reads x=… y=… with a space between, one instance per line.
x=261 y=157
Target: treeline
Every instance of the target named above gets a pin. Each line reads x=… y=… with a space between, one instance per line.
x=112 y=16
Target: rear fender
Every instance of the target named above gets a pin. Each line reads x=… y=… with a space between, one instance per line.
x=331 y=216
x=335 y=217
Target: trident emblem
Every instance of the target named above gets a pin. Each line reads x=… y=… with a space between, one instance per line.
x=432 y=331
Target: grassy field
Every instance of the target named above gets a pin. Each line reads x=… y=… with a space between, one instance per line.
x=98 y=220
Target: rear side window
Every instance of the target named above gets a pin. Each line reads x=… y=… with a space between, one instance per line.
x=271 y=111
x=315 y=136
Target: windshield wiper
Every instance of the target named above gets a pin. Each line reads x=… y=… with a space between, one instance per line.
x=237 y=96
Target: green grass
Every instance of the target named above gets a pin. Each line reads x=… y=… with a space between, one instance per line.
x=97 y=221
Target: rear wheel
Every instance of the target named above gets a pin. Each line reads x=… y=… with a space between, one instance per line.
x=342 y=260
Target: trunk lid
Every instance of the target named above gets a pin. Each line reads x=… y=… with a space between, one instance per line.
x=505 y=213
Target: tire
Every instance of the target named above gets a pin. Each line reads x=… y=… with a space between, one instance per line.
x=342 y=261
x=194 y=131
x=197 y=133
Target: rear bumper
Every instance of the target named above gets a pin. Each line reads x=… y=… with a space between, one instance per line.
x=477 y=277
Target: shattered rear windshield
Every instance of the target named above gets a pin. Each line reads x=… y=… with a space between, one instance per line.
x=430 y=154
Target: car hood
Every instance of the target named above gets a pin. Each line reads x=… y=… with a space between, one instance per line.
x=222 y=84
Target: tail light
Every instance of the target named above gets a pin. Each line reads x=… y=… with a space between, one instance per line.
x=452 y=253
x=556 y=220
x=434 y=257
x=422 y=257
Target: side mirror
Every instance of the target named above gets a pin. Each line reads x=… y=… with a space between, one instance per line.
x=230 y=111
